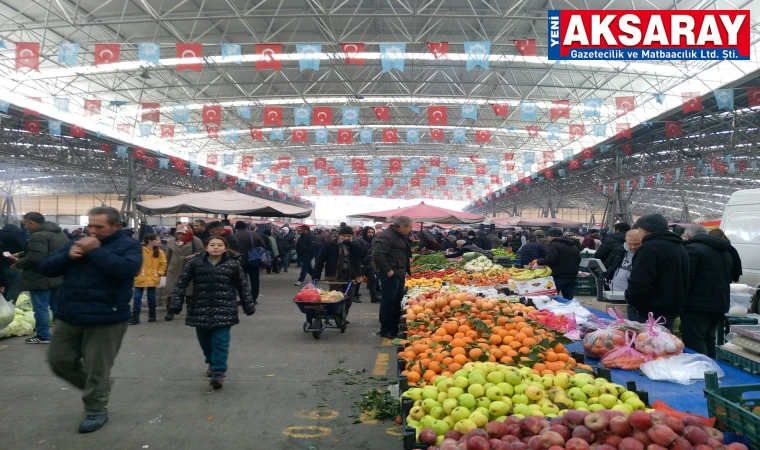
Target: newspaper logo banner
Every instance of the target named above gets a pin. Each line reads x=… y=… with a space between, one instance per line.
x=649 y=35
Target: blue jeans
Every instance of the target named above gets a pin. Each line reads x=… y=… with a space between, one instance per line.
x=215 y=343
x=566 y=286
x=285 y=259
x=137 y=304
x=41 y=301
x=390 y=303
x=305 y=267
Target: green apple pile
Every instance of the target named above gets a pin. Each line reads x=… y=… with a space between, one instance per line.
x=485 y=391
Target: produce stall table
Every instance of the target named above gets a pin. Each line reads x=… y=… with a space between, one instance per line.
x=686 y=398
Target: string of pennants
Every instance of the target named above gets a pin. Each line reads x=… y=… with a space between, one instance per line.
x=392 y=55
x=211 y=115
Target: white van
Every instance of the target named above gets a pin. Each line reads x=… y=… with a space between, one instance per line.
x=741 y=223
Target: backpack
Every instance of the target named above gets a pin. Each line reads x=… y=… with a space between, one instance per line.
x=259 y=256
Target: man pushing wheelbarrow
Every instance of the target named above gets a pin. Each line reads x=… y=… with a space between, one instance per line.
x=341 y=259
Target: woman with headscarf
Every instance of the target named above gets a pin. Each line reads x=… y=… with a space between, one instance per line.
x=179 y=251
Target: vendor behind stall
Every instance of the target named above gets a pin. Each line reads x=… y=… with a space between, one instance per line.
x=341 y=259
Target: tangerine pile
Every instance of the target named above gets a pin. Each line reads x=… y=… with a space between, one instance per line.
x=447 y=330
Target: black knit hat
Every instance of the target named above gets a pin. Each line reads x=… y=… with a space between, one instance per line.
x=653 y=223
x=554 y=232
x=346 y=230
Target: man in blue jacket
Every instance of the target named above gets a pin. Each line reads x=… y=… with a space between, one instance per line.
x=93 y=309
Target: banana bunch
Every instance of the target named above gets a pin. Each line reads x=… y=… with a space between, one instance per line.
x=540 y=273
x=523 y=275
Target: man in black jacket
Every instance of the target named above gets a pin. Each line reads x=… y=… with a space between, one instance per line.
x=305 y=250
x=531 y=251
x=390 y=255
x=245 y=240
x=365 y=241
x=288 y=242
x=612 y=241
x=563 y=257
x=711 y=264
x=200 y=230
x=619 y=264
x=341 y=259
x=659 y=281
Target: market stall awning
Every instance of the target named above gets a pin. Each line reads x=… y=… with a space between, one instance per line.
x=505 y=221
x=547 y=222
x=221 y=202
x=421 y=213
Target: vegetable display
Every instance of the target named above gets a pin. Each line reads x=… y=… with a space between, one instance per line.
x=479 y=264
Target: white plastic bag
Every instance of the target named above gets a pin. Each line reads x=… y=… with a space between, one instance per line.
x=685 y=368
x=7 y=312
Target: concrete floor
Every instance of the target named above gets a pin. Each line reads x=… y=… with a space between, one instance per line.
x=278 y=393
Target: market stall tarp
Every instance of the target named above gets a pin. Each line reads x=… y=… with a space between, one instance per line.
x=505 y=221
x=221 y=202
x=547 y=222
x=421 y=213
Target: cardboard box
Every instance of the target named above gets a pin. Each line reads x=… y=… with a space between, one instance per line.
x=536 y=286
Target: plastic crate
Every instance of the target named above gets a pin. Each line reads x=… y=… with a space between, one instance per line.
x=728 y=321
x=586 y=282
x=726 y=405
x=738 y=361
x=585 y=291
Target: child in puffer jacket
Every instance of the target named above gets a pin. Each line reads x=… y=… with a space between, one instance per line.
x=149 y=277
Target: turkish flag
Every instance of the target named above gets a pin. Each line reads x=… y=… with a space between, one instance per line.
x=357 y=164
x=625 y=104
x=574 y=164
x=743 y=165
x=212 y=132
x=394 y=165
x=467 y=181
x=527 y=180
x=303 y=171
x=299 y=135
x=151 y=112
x=495 y=179
x=139 y=153
x=548 y=174
x=672 y=128
x=28 y=55
x=105 y=147
x=167 y=131
x=345 y=136
x=189 y=57
x=150 y=162
x=246 y=162
x=480 y=169
x=107 y=54
x=437 y=115
x=438 y=49
x=500 y=110
x=634 y=183
x=482 y=136
x=209 y=173
x=212 y=114
x=549 y=155
x=92 y=108
x=77 y=131
x=587 y=153
x=337 y=182
x=256 y=135
x=509 y=156
x=32 y=126
x=650 y=180
x=273 y=115
x=435 y=161
x=436 y=134
x=381 y=112
x=510 y=167
x=363 y=181
x=415 y=182
x=627 y=148
x=390 y=135
x=331 y=171
x=753 y=96
x=450 y=171
x=440 y=181
x=389 y=182
x=560 y=108
x=577 y=131
x=321 y=115
x=526 y=47
x=532 y=130
x=351 y=53
x=211 y=159
x=268 y=60
x=667 y=176
x=692 y=102
x=320 y=164
x=623 y=130
x=283 y=162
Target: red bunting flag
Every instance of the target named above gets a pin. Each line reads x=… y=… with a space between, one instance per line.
x=548 y=174
x=450 y=171
x=337 y=182
x=246 y=162
x=107 y=54
x=321 y=116
x=482 y=136
x=587 y=153
x=388 y=182
x=105 y=147
x=211 y=159
x=283 y=162
x=273 y=115
x=692 y=102
x=437 y=115
x=32 y=126
x=436 y=134
x=420 y=172
x=526 y=47
x=331 y=172
x=345 y=136
x=575 y=164
x=467 y=181
x=509 y=156
x=440 y=181
x=532 y=130
x=623 y=130
x=151 y=112
x=753 y=96
x=577 y=131
x=256 y=134
x=351 y=53
x=667 y=176
x=500 y=109
x=381 y=112
x=625 y=104
x=560 y=108
x=673 y=128
x=299 y=135
x=480 y=169
x=495 y=179
x=92 y=108
x=363 y=182
x=167 y=131
x=303 y=171
x=28 y=55
x=357 y=164
x=268 y=59
x=438 y=49
x=390 y=135
x=415 y=182
x=212 y=114
x=650 y=180
x=320 y=164
x=189 y=57
x=743 y=165
x=394 y=165
x=435 y=161
x=150 y=161
x=212 y=132
x=209 y=173
x=139 y=153
x=77 y=131
x=627 y=148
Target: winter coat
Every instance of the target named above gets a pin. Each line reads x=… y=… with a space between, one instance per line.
x=214 y=303
x=329 y=258
x=563 y=257
x=306 y=245
x=11 y=242
x=532 y=251
x=152 y=269
x=97 y=288
x=614 y=260
x=272 y=244
x=608 y=245
x=483 y=242
x=47 y=239
x=288 y=242
x=516 y=244
x=710 y=269
x=495 y=241
x=365 y=244
x=659 y=281
x=244 y=242
x=391 y=251
x=175 y=261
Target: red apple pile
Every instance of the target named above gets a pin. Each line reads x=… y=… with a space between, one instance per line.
x=581 y=430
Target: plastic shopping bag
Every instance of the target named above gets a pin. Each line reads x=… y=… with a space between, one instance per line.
x=309 y=293
x=7 y=312
x=620 y=322
x=602 y=341
x=681 y=369
x=657 y=341
x=625 y=357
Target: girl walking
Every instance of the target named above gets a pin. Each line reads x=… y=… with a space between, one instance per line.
x=149 y=277
x=219 y=279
